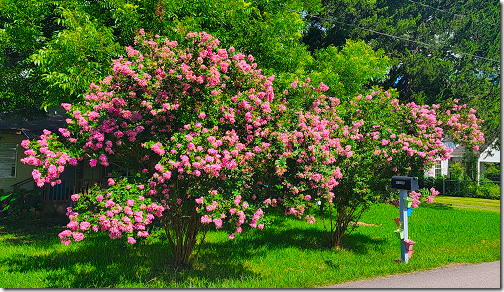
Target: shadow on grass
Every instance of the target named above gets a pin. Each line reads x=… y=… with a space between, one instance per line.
x=438 y=206
x=100 y=262
x=32 y=231
x=359 y=243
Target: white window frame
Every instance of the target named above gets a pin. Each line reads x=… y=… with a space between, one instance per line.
x=437 y=168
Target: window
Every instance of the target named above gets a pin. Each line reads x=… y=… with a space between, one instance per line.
x=437 y=168
x=8 y=159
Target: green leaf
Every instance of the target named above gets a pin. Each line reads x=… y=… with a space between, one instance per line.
x=5 y=196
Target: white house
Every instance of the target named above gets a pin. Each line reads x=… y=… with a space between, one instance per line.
x=486 y=153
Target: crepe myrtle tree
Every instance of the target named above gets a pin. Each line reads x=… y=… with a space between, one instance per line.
x=337 y=157
x=191 y=123
x=201 y=129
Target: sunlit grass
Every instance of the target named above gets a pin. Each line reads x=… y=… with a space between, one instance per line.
x=289 y=254
x=471 y=203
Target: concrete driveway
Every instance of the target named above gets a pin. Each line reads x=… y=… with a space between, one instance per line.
x=485 y=275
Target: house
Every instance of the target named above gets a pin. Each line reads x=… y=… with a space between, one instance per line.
x=486 y=154
x=15 y=176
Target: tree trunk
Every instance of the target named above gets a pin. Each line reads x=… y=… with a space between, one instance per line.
x=182 y=234
x=347 y=213
x=341 y=227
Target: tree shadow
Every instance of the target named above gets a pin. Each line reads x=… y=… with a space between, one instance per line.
x=99 y=262
x=360 y=244
x=32 y=231
x=438 y=206
x=259 y=243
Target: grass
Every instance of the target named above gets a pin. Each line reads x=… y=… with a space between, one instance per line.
x=290 y=254
x=469 y=203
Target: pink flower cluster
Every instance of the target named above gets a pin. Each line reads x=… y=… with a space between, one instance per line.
x=434 y=193
x=117 y=218
x=416 y=198
x=66 y=235
x=50 y=162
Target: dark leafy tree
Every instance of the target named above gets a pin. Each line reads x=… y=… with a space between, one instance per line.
x=453 y=52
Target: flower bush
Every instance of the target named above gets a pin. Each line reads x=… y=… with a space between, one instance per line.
x=190 y=121
x=337 y=157
x=203 y=133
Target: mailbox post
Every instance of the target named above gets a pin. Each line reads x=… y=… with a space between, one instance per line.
x=404 y=184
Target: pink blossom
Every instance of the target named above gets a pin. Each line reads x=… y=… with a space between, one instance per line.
x=142 y=234
x=84 y=225
x=218 y=222
x=74 y=225
x=157 y=148
x=109 y=203
x=205 y=219
x=323 y=87
x=77 y=236
x=66 y=106
x=159 y=167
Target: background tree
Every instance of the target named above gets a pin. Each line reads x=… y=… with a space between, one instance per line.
x=454 y=52
x=50 y=51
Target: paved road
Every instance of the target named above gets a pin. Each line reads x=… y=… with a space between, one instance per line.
x=485 y=275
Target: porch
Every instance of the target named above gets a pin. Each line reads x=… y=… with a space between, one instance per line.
x=53 y=200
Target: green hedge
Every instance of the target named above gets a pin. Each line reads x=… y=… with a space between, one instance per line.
x=486 y=189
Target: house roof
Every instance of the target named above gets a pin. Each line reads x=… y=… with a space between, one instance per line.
x=458 y=151
x=33 y=129
x=489 y=153
x=486 y=145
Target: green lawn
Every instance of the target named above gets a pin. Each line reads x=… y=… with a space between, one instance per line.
x=289 y=254
x=471 y=203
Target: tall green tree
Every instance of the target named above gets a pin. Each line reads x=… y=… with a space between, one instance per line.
x=440 y=49
x=50 y=51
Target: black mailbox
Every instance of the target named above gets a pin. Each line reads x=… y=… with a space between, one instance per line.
x=405 y=183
